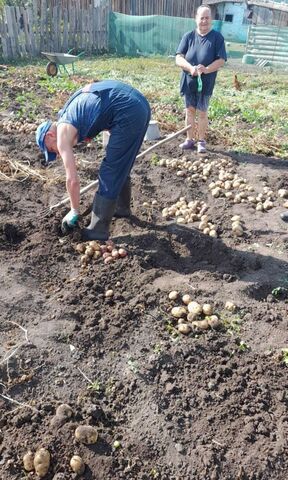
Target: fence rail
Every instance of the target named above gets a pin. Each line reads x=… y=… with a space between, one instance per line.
x=25 y=32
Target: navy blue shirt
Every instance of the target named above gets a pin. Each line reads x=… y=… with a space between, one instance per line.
x=100 y=106
x=201 y=49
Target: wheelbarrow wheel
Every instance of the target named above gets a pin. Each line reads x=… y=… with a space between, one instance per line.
x=51 y=69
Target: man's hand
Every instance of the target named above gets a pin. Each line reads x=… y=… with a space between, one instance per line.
x=70 y=220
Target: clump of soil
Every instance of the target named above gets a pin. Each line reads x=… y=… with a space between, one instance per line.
x=209 y=405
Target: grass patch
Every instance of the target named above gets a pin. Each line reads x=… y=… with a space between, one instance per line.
x=251 y=120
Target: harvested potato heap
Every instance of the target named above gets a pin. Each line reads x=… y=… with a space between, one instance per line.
x=189 y=212
x=197 y=170
x=20 y=126
x=237 y=190
x=229 y=185
x=191 y=315
x=93 y=250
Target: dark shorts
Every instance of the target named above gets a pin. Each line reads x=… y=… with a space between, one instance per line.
x=197 y=101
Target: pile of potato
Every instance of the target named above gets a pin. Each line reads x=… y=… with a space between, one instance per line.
x=189 y=212
x=191 y=315
x=20 y=126
x=196 y=170
x=229 y=184
x=95 y=250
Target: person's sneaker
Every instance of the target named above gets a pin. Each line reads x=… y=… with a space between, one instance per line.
x=284 y=216
x=187 y=145
x=201 y=146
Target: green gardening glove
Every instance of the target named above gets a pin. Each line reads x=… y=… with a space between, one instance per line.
x=70 y=220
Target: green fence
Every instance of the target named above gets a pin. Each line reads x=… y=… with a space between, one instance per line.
x=148 y=35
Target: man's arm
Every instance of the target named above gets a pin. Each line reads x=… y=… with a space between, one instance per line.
x=182 y=63
x=66 y=139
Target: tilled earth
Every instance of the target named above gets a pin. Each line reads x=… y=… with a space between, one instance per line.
x=205 y=406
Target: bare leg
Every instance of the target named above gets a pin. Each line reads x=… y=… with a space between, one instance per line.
x=202 y=124
x=190 y=120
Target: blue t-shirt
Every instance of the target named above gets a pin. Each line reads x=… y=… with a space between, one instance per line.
x=100 y=106
x=81 y=110
x=201 y=49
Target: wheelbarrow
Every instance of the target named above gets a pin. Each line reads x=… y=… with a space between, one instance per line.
x=57 y=60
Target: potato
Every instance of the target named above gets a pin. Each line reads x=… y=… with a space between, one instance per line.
x=109 y=293
x=28 y=461
x=95 y=245
x=80 y=248
x=207 y=309
x=89 y=251
x=64 y=410
x=178 y=312
x=191 y=317
x=195 y=307
x=201 y=324
x=186 y=299
x=108 y=260
x=42 y=462
x=184 y=328
x=214 y=321
x=230 y=306
x=173 y=295
x=86 y=434
x=77 y=464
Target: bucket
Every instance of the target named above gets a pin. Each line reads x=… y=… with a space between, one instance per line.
x=153 y=132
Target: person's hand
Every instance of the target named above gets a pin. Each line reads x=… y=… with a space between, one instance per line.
x=201 y=69
x=70 y=220
x=194 y=71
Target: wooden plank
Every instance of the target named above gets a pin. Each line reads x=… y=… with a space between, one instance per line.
x=43 y=25
x=72 y=21
x=4 y=36
x=26 y=30
x=10 y=31
x=65 y=31
x=59 y=28
x=35 y=25
x=80 y=26
x=20 y=32
x=31 y=24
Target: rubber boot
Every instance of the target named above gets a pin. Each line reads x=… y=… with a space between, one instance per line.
x=124 y=200
x=102 y=213
x=284 y=216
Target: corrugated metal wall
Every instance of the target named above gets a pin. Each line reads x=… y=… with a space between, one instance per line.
x=269 y=43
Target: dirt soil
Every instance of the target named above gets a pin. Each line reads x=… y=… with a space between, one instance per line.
x=210 y=405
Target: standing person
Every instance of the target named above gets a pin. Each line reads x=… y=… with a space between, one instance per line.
x=105 y=105
x=200 y=55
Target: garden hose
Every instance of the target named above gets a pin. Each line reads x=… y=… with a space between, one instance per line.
x=199 y=86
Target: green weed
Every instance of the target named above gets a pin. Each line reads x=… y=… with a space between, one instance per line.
x=285 y=356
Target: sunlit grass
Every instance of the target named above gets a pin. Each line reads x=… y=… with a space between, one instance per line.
x=252 y=120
